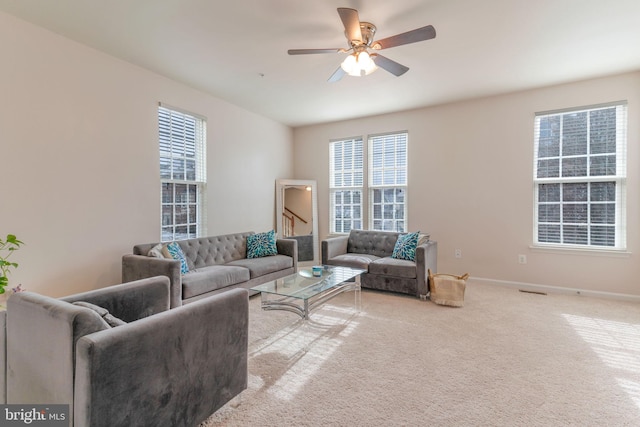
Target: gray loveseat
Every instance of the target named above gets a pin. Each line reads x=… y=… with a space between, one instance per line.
x=161 y=368
x=216 y=264
x=372 y=250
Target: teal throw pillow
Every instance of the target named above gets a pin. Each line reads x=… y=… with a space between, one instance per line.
x=176 y=253
x=405 y=247
x=261 y=244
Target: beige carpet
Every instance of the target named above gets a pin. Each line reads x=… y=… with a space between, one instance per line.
x=506 y=358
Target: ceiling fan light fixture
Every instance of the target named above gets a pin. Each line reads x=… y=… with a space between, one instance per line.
x=360 y=38
x=359 y=64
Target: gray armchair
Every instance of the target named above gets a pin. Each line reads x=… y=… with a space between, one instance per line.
x=163 y=367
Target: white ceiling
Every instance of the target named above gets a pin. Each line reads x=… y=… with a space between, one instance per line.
x=237 y=49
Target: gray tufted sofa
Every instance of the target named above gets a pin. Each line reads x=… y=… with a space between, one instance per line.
x=216 y=264
x=371 y=251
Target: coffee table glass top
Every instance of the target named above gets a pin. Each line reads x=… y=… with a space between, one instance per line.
x=304 y=285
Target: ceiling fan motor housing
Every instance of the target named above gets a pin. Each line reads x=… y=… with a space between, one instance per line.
x=368 y=30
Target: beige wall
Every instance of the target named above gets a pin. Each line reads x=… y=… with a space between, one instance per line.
x=470 y=183
x=79 y=159
x=79 y=169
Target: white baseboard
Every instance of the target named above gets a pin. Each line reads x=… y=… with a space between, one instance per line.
x=532 y=287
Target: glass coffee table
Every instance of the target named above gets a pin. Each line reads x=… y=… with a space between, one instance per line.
x=303 y=292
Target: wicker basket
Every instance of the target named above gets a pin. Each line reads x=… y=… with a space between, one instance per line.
x=447 y=289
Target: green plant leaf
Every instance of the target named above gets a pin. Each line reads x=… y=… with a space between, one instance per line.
x=11 y=238
x=7 y=247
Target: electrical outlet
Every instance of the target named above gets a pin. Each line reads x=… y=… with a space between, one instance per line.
x=458 y=253
x=522 y=259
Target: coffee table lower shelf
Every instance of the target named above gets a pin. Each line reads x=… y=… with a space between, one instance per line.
x=304 y=306
x=301 y=293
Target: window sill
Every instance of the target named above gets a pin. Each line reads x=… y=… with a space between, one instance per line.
x=569 y=250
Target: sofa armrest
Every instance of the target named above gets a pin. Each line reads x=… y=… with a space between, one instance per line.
x=426 y=259
x=136 y=267
x=130 y=301
x=289 y=247
x=333 y=247
x=173 y=368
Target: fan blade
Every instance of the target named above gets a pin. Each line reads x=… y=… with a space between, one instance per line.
x=308 y=51
x=351 y=23
x=417 y=35
x=337 y=75
x=387 y=64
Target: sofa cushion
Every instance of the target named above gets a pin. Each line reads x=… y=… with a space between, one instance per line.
x=174 y=251
x=157 y=251
x=405 y=247
x=214 y=250
x=262 y=244
x=393 y=267
x=353 y=260
x=111 y=320
x=210 y=278
x=378 y=243
x=261 y=266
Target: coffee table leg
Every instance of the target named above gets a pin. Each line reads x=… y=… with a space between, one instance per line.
x=358 y=297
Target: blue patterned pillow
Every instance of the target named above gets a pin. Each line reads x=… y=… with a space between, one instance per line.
x=405 y=247
x=261 y=244
x=176 y=253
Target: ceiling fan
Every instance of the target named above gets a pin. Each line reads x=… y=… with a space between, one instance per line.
x=360 y=39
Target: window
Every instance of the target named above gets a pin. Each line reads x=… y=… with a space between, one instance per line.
x=388 y=182
x=182 y=173
x=346 y=185
x=384 y=191
x=580 y=177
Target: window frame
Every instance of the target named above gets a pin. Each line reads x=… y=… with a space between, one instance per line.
x=183 y=149
x=369 y=187
x=587 y=182
x=400 y=183
x=355 y=177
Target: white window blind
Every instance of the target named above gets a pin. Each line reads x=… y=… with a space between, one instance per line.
x=388 y=182
x=384 y=190
x=580 y=177
x=346 y=184
x=182 y=142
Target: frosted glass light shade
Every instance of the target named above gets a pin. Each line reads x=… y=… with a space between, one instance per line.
x=359 y=64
